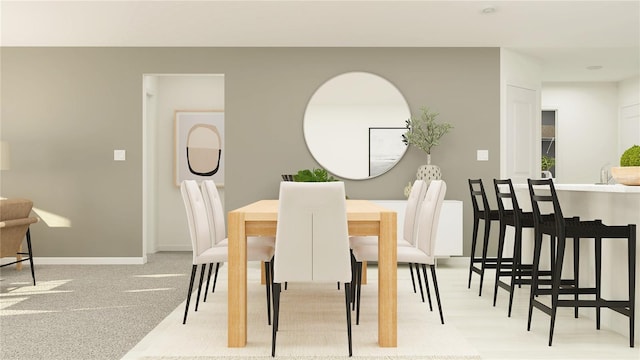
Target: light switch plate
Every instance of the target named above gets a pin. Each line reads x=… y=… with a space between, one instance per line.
x=482 y=155
x=119 y=155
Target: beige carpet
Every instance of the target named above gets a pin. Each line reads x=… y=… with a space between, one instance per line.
x=312 y=326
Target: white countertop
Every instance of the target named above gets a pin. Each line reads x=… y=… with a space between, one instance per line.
x=617 y=188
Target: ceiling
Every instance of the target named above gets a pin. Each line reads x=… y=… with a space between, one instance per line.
x=565 y=36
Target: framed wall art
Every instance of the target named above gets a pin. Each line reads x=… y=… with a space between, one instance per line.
x=199 y=146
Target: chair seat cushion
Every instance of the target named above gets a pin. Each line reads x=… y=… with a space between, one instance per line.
x=220 y=253
x=212 y=255
x=406 y=254
x=371 y=240
x=254 y=241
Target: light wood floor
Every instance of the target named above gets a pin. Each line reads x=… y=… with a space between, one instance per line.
x=496 y=336
x=482 y=328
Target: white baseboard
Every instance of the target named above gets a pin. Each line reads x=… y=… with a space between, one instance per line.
x=452 y=261
x=457 y=261
x=88 y=261
x=178 y=247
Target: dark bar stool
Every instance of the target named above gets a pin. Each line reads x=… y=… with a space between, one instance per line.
x=558 y=228
x=484 y=212
x=511 y=215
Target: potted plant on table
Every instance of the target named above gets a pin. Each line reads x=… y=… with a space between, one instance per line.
x=628 y=173
x=315 y=175
x=425 y=133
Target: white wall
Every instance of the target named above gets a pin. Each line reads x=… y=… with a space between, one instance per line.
x=586 y=128
x=177 y=92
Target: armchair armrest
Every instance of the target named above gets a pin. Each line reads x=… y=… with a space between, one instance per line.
x=18 y=222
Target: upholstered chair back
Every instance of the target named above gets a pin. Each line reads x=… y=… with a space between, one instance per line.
x=312 y=236
x=214 y=210
x=416 y=197
x=197 y=217
x=430 y=216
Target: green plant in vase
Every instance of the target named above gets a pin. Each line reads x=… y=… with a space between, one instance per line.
x=315 y=175
x=631 y=156
x=425 y=133
x=629 y=171
x=547 y=162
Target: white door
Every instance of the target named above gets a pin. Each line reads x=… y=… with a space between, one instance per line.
x=522 y=135
x=629 y=128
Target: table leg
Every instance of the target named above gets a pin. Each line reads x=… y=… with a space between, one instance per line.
x=237 y=283
x=364 y=273
x=387 y=282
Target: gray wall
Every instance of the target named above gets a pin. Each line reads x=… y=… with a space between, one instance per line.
x=64 y=110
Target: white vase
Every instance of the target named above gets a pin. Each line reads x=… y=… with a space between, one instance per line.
x=429 y=172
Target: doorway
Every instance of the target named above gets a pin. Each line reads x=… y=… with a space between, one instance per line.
x=163 y=216
x=548 y=139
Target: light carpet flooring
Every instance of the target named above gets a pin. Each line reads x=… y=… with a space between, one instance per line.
x=87 y=312
x=312 y=326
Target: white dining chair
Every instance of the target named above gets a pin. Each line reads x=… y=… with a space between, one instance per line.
x=215 y=212
x=205 y=251
x=414 y=201
x=424 y=251
x=312 y=241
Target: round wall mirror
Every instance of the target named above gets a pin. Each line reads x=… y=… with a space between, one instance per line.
x=353 y=125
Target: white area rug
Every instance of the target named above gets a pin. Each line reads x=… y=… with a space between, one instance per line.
x=312 y=326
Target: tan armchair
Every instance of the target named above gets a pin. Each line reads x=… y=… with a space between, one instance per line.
x=14 y=226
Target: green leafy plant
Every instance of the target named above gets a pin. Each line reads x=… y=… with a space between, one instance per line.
x=424 y=132
x=631 y=156
x=547 y=162
x=315 y=175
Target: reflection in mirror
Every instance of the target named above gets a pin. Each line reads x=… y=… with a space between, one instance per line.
x=353 y=125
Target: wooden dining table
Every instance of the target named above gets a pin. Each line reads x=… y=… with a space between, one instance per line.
x=364 y=217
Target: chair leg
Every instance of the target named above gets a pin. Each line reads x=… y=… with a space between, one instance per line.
x=576 y=273
x=420 y=282
x=485 y=247
x=435 y=286
x=353 y=280
x=598 y=253
x=338 y=285
x=474 y=239
x=515 y=265
x=186 y=307
x=413 y=281
x=204 y=266
x=631 y=254
x=215 y=278
x=276 y=315
x=33 y=274
x=267 y=274
x=426 y=285
x=358 y=290
x=534 y=274
x=347 y=301
x=501 y=236
x=208 y=279
x=555 y=287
